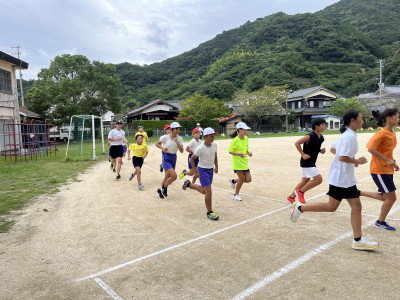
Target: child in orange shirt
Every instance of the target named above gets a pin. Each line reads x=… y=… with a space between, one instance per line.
x=382 y=167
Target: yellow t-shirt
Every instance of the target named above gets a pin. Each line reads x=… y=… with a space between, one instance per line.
x=145 y=137
x=139 y=150
x=384 y=141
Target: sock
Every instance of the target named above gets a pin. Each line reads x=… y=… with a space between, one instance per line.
x=233 y=181
x=301 y=191
x=300 y=208
x=291 y=197
x=357 y=239
x=209 y=212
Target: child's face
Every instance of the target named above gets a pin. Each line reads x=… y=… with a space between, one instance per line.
x=209 y=138
x=243 y=132
x=196 y=135
x=321 y=127
x=139 y=140
x=177 y=130
x=393 y=120
x=140 y=129
x=168 y=131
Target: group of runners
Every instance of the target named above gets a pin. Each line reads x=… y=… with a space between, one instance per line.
x=203 y=163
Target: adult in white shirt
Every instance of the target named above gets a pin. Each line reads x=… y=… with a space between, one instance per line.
x=208 y=165
x=342 y=182
x=200 y=129
x=116 y=137
x=169 y=144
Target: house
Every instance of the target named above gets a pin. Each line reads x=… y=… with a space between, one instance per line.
x=308 y=102
x=386 y=97
x=228 y=124
x=26 y=114
x=155 y=110
x=9 y=106
x=332 y=122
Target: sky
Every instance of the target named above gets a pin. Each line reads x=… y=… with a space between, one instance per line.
x=115 y=31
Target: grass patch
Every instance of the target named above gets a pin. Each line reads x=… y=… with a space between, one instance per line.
x=25 y=179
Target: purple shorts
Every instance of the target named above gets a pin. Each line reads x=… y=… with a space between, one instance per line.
x=169 y=161
x=206 y=176
x=196 y=161
x=124 y=148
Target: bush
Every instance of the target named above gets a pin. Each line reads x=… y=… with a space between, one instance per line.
x=151 y=125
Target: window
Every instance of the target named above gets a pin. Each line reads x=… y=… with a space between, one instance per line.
x=311 y=102
x=293 y=105
x=299 y=104
x=5 y=81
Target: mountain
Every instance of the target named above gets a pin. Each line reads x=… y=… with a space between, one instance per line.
x=337 y=47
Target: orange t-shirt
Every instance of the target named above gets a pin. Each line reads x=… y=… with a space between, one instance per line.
x=384 y=141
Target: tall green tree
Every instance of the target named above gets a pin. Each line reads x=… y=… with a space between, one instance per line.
x=72 y=85
x=339 y=107
x=202 y=108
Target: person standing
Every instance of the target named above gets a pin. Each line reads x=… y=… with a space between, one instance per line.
x=208 y=165
x=342 y=181
x=116 y=137
x=382 y=166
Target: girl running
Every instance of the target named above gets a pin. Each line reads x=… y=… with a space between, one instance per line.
x=382 y=167
x=167 y=130
x=193 y=144
x=172 y=143
x=342 y=182
x=239 y=149
x=140 y=151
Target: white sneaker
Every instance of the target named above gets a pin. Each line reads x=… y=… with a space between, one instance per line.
x=236 y=197
x=296 y=213
x=233 y=185
x=363 y=244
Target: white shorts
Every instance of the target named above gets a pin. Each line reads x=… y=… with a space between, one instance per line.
x=310 y=172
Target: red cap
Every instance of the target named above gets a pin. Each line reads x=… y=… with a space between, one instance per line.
x=166 y=126
x=195 y=130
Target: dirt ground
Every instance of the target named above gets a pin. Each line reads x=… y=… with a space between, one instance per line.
x=104 y=239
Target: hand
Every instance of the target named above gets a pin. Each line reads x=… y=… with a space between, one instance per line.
x=305 y=156
x=391 y=162
x=356 y=165
x=323 y=150
x=396 y=167
x=250 y=154
x=164 y=149
x=242 y=155
x=361 y=161
x=118 y=139
x=216 y=169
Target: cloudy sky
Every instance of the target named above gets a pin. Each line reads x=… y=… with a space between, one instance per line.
x=135 y=31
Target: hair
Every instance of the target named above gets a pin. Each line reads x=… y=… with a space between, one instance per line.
x=347 y=117
x=317 y=122
x=136 y=137
x=140 y=126
x=381 y=116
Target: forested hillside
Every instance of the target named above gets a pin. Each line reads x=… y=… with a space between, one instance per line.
x=337 y=47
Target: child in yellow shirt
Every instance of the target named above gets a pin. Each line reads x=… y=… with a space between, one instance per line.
x=140 y=151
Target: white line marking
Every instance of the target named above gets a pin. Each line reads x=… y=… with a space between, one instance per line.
x=367 y=215
x=177 y=246
x=296 y=263
x=107 y=289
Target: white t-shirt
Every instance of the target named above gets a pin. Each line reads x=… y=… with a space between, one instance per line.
x=168 y=142
x=114 y=134
x=341 y=174
x=206 y=155
x=193 y=144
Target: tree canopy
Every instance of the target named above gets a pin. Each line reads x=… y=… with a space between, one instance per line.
x=339 y=107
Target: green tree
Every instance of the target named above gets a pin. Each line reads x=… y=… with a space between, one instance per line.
x=341 y=105
x=262 y=104
x=72 y=85
x=202 y=108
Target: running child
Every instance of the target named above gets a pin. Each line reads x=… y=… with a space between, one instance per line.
x=167 y=130
x=142 y=132
x=125 y=146
x=172 y=143
x=239 y=149
x=116 y=137
x=208 y=165
x=382 y=166
x=311 y=148
x=342 y=182
x=193 y=144
x=140 y=151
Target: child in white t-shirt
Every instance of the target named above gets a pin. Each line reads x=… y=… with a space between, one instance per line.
x=167 y=130
x=191 y=147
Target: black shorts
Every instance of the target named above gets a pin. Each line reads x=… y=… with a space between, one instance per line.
x=137 y=161
x=235 y=171
x=340 y=193
x=384 y=182
x=116 y=151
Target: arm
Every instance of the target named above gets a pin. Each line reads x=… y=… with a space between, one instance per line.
x=379 y=155
x=216 y=163
x=129 y=154
x=180 y=147
x=299 y=142
x=242 y=155
x=189 y=150
x=350 y=160
x=145 y=155
x=333 y=151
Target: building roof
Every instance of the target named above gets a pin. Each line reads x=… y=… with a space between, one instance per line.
x=325 y=116
x=226 y=119
x=304 y=92
x=173 y=103
x=13 y=60
x=392 y=89
x=28 y=113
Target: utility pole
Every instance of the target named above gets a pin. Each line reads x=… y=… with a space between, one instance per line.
x=381 y=84
x=20 y=78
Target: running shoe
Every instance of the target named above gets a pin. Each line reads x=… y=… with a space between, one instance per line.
x=118 y=177
x=182 y=174
x=291 y=200
x=164 y=191
x=300 y=196
x=236 y=197
x=122 y=163
x=232 y=182
x=131 y=177
x=111 y=167
x=384 y=225
x=212 y=216
x=161 y=168
x=296 y=212
x=186 y=184
x=114 y=170
x=160 y=194
x=140 y=186
x=363 y=244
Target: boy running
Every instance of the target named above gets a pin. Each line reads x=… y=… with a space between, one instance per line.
x=193 y=144
x=116 y=137
x=142 y=132
x=167 y=130
x=140 y=151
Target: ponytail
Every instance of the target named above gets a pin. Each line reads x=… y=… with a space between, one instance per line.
x=347 y=117
x=381 y=117
x=234 y=134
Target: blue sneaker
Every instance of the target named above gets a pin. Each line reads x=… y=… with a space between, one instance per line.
x=131 y=177
x=384 y=225
x=140 y=186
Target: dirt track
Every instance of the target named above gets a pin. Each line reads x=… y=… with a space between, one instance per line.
x=98 y=223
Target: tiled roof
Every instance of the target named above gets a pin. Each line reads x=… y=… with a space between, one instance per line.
x=30 y=114
x=174 y=103
x=301 y=93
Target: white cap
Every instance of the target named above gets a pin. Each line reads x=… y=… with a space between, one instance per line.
x=208 y=131
x=197 y=124
x=175 y=125
x=242 y=125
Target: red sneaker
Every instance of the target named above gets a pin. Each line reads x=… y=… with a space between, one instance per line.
x=290 y=200
x=300 y=196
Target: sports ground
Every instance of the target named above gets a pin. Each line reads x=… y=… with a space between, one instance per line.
x=104 y=239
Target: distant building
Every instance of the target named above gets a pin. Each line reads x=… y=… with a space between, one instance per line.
x=332 y=122
x=308 y=102
x=155 y=110
x=387 y=97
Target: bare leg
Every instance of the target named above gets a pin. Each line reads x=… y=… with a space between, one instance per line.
x=247 y=177
x=373 y=195
x=388 y=202
x=240 y=181
x=195 y=176
x=113 y=162
x=302 y=183
x=331 y=206
x=356 y=217
x=316 y=180
x=119 y=160
x=171 y=177
x=138 y=173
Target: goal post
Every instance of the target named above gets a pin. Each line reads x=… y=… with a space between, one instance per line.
x=85 y=137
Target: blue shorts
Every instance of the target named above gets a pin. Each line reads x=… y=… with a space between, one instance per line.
x=137 y=161
x=206 y=176
x=196 y=161
x=123 y=149
x=169 y=161
x=116 y=151
x=384 y=182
